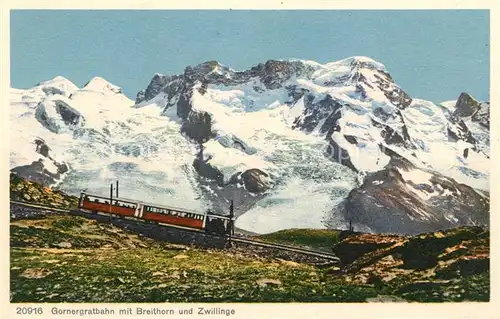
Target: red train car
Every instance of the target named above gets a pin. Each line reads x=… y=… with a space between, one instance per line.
x=101 y=204
x=150 y=212
x=173 y=216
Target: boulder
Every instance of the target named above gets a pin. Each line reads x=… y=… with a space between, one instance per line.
x=256 y=181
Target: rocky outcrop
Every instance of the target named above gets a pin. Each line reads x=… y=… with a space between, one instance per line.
x=198 y=127
x=466 y=105
x=327 y=108
x=356 y=245
x=403 y=199
x=57 y=115
x=256 y=181
x=430 y=266
x=482 y=116
x=272 y=74
x=204 y=169
x=25 y=190
x=46 y=170
x=458 y=130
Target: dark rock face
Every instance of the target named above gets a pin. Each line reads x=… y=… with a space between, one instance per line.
x=159 y=83
x=458 y=130
x=466 y=105
x=206 y=170
x=255 y=180
x=391 y=137
x=339 y=155
x=69 y=116
x=483 y=115
x=198 y=127
x=314 y=112
x=36 y=171
x=386 y=203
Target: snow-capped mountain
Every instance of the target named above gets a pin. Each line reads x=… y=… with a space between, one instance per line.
x=294 y=143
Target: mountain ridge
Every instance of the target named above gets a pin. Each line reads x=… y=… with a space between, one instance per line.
x=268 y=137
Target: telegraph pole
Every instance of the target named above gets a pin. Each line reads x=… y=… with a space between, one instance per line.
x=230 y=225
x=231 y=216
x=110 y=197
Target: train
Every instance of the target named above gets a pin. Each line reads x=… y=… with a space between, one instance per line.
x=160 y=214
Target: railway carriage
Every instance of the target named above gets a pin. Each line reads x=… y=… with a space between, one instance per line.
x=154 y=213
x=173 y=216
x=100 y=204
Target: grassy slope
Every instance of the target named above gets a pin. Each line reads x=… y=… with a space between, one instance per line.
x=317 y=239
x=106 y=264
x=72 y=259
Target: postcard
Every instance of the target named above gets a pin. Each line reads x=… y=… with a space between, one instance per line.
x=281 y=162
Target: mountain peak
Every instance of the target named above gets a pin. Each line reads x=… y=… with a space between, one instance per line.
x=58 y=85
x=58 y=80
x=99 y=84
x=361 y=62
x=466 y=105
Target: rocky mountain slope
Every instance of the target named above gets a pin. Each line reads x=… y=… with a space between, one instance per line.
x=279 y=139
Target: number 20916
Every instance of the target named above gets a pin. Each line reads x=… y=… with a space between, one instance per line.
x=29 y=311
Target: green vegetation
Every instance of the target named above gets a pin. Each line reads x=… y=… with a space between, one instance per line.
x=27 y=191
x=317 y=239
x=91 y=262
x=63 y=258
x=72 y=259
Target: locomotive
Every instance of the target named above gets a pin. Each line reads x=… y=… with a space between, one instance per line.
x=208 y=221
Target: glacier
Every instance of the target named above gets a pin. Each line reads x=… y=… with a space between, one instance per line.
x=287 y=140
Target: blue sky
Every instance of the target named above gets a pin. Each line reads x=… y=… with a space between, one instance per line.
x=434 y=55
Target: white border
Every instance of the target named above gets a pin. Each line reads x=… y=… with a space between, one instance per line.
x=284 y=310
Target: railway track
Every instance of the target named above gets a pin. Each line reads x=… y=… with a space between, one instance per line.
x=235 y=239
x=31 y=205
